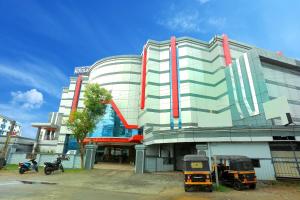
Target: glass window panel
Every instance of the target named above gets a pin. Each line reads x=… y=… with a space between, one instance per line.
x=72 y=143
x=110 y=125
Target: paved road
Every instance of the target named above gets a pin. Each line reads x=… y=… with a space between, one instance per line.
x=20 y=191
x=95 y=184
x=124 y=185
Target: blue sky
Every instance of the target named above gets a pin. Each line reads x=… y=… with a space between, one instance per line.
x=42 y=41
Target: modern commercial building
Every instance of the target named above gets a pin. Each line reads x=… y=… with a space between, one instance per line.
x=184 y=96
x=5 y=126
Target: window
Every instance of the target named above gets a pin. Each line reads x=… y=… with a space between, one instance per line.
x=198 y=165
x=255 y=163
x=283 y=137
x=47 y=135
x=241 y=165
x=52 y=135
x=111 y=126
x=71 y=143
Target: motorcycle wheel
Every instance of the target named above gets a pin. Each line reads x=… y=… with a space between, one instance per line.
x=237 y=185
x=47 y=170
x=21 y=170
x=187 y=188
x=210 y=188
x=253 y=186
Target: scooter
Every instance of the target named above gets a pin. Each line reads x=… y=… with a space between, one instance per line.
x=28 y=166
x=51 y=167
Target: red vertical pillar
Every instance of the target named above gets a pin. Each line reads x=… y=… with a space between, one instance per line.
x=174 y=78
x=144 y=70
x=226 y=50
x=76 y=94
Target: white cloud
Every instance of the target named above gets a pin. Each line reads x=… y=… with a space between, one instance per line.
x=20 y=109
x=202 y=1
x=34 y=73
x=183 y=22
x=191 y=21
x=29 y=100
x=217 y=22
x=23 y=116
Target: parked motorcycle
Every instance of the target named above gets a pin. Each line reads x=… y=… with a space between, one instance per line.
x=28 y=166
x=51 y=167
x=2 y=162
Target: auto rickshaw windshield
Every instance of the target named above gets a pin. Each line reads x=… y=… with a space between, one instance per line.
x=241 y=165
x=196 y=166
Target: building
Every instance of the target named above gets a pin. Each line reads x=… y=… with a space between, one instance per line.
x=5 y=126
x=17 y=144
x=184 y=96
x=47 y=133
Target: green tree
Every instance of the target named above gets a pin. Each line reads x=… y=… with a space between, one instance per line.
x=83 y=121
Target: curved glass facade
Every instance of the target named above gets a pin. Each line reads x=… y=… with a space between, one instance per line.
x=72 y=144
x=110 y=125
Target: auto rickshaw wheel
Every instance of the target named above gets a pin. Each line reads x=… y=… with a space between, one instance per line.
x=237 y=185
x=186 y=188
x=252 y=186
x=210 y=188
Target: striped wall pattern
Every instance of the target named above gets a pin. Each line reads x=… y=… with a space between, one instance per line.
x=220 y=83
x=283 y=82
x=247 y=90
x=65 y=107
x=121 y=75
x=203 y=98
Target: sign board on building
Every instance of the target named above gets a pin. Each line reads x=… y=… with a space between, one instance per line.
x=84 y=70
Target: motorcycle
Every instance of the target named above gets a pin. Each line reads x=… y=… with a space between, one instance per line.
x=2 y=162
x=51 y=167
x=28 y=166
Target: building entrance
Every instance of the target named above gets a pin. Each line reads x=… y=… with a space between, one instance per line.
x=182 y=149
x=115 y=154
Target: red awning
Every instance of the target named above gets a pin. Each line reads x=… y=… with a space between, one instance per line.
x=133 y=139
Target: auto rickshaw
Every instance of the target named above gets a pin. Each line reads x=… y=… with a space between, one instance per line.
x=236 y=171
x=197 y=172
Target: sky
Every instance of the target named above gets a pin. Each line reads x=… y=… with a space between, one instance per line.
x=42 y=41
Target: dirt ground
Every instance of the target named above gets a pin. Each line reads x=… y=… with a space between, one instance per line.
x=121 y=183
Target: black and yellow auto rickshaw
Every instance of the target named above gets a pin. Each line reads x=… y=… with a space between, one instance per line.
x=197 y=172
x=236 y=171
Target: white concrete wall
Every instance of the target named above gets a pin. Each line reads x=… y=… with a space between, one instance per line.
x=73 y=162
x=47 y=146
x=65 y=109
x=154 y=164
x=120 y=76
x=257 y=150
x=20 y=143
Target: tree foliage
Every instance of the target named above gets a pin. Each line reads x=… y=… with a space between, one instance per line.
x=83 y=121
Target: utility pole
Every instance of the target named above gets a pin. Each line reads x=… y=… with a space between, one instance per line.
x=216 y=171
x=34 y=149
x=3 y=154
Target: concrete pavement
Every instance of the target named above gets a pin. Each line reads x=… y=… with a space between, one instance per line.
x=123 y=184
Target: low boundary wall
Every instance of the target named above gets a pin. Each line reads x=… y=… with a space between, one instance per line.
x=73 y=162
